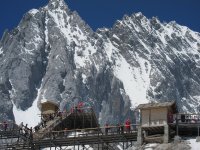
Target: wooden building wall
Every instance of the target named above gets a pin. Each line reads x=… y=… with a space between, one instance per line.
x=154 y=116
x=145 y=117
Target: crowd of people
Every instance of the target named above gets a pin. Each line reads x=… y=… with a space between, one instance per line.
x=121 y=128
x=28 y=132
x=51 y=116
x=24 y=130
x=46 y=118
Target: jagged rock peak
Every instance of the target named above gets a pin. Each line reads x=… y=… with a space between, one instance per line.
x=55 y=4
x=33 y=11
x=137 y=15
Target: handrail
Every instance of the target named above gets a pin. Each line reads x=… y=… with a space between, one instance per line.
x=97 y=128
x=64 y=112
x=184 y=118
x=9 y=126
x=84 y=133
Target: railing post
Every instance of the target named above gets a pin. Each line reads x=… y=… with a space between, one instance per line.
x=198 y=122
x=83 y=122
x=74 y=143
x=91 y=117
x=177 y=124
x=139 y=136
x=98 y=136
x=75 y=118
x=83 y=147
x=166 y=133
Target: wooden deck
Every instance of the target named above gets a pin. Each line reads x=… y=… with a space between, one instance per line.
x=158 y=138
x=86 y=139
x=75 y=128
x=81 y=128
x=84 y=118
x=88 y=136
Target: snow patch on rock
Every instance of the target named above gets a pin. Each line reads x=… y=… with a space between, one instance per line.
x=193 y=144
x=33 y=11
x=31 y=116
x=1 y=50
x=135 y=80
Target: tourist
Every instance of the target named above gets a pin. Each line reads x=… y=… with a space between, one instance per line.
x=118 y=128
x=106 y=128
x=80 y=106
x=37 y=127
x=30 y=133
x=65 y=132
x=5 y=125
x=170 y=117
x=26 y=130
x=128 y=125
x=21 y=127
x=122 y=129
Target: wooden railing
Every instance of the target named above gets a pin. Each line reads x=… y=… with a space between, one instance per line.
x=185 y=118
x=8 y=126
x=109 y=130
x=156 y=122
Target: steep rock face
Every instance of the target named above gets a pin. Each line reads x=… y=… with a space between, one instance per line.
x=54 y=55
x=22 y=65
x=163 y=59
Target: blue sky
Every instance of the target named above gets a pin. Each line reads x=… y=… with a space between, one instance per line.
x=103 y=13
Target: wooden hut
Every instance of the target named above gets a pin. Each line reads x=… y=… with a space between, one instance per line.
x=49 y=107
x=156 y=114
x=154 y=119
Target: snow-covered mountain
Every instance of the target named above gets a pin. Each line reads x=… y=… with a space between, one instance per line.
x=54 y=55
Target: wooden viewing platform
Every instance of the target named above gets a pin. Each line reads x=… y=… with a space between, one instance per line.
x=160 y=122
x=185 y=124
x=79 y=127
x=87 y=136
x=76 y=119
x=78 y=137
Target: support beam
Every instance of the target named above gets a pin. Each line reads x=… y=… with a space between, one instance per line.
x=198 y=137
x=177 y=125
x=166 y=134
x=139 y=136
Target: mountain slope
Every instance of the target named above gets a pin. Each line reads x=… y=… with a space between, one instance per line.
x=164 y=59
x=54 y=55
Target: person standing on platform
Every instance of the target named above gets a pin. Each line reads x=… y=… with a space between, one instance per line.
x=5 y=125
x=80 y=106
x=122 y=129
x=128 y=125
x=106 y=128
x=21 y=127
x=118 y=128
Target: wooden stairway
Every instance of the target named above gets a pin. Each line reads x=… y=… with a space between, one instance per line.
x=50 y=125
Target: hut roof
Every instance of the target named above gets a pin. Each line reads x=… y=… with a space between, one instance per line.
x=156 y=105
x=49 y=102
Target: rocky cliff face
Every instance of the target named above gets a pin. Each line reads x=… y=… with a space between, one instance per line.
x=54 y=55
